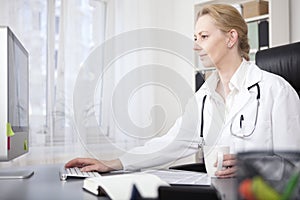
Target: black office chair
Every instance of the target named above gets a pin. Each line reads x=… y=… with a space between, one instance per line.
x=199 y=80
x=282 y=60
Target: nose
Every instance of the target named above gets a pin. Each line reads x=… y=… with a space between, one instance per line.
x=196 y=46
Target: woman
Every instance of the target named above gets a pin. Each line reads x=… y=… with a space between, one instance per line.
x=243 y=107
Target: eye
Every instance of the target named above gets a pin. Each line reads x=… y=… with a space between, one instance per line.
x=204 y=37
x=195 y=38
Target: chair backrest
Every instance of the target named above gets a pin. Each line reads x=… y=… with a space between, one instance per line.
x=282 y=60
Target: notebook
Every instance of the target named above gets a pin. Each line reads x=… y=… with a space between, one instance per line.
x=121 y=186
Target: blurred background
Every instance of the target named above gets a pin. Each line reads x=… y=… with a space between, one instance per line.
x=60 y=35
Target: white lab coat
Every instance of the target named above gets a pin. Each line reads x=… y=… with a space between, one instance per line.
x=277 y=127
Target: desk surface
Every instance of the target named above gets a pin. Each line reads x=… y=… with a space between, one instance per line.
x=45 y=184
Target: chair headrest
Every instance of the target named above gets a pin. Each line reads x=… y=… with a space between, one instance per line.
x=282 y=60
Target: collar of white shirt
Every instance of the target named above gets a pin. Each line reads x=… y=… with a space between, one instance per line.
x=237 y=81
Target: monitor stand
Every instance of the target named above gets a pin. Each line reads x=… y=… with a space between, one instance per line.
x=15 y=174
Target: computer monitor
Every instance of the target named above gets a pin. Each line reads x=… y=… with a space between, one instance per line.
x=14 y=97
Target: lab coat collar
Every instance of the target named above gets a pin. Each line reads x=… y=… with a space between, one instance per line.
x=238 y=78
x=253 y=76
x=252 y=73
x=210 y=85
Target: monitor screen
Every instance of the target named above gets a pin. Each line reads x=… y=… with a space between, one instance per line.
x=17 y=84
x=14 y=101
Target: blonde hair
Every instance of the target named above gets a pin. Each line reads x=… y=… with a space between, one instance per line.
x=227 y=17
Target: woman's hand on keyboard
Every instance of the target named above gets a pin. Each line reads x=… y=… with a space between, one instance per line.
x=91 y=164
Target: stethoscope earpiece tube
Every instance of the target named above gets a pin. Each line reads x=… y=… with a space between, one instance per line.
x=202 y=115
x=258 y=90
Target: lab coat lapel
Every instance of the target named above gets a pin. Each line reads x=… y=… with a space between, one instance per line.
x=241 y=100
x=253 y=76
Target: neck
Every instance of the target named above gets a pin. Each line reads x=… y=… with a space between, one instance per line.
x=226 y=69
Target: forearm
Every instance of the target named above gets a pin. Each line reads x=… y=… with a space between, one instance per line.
x=147 y=157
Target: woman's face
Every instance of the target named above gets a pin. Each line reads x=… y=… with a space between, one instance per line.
x=210 y=42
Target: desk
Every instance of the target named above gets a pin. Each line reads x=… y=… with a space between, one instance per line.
x=45 y=184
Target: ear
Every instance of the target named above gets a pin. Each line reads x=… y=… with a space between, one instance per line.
x=232 y=38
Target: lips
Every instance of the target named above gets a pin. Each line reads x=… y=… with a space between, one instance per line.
x=202 y=55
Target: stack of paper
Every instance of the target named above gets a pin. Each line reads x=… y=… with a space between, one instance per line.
x=181 y=177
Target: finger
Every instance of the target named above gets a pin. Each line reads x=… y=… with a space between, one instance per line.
x=73 y=163
x=96 y=167
x=229 y=157
x=226 y=171
x=78 y=162
x=229 y=163
x=229 y=172
x=227 y=176
x=228 y=160
x=89 y=168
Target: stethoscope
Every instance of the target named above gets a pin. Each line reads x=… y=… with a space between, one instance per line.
x=240 y=133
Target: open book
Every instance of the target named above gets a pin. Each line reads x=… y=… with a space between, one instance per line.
x=121 y=186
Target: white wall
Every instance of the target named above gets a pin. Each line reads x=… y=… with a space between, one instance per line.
x=176 y=15
x=173 y=15
x=294 y=20
x=4 y=13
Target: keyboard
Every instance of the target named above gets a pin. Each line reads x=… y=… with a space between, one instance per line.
x=76 y=173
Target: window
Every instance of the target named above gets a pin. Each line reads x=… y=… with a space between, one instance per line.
x=58 y=34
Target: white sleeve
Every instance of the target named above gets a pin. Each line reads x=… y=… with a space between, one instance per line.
x=180 y=141
x=286 y=120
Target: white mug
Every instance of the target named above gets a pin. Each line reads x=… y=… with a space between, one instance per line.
x=212 y=155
